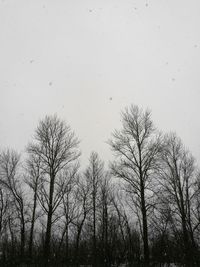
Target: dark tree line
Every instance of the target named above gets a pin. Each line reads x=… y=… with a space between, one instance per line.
x=143 y=210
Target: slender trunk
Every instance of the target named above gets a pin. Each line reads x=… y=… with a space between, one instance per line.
x=48 y=234
x=107 y=253
x=78 y=238
x=32 y=224
x=62 y=239
x=22 y=232
x=67 y=229
x=94 y=221
x=77 y=247
x=12 y=236
x=77 y=243
x=193 y=247
x=94 y=232
x=67 y=244
x=187 y=252
x=49 y=221
x=103 y=242
x=145 y=229
x=143 y=210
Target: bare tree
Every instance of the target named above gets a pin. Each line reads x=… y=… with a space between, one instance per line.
x=94 y=174
x=68 y=186
x=178 y=180
x=137 y=148
x=10 y=179
x=56 y=145
x=33 y=180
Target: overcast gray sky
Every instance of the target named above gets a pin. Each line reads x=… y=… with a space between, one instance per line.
x=87 y=59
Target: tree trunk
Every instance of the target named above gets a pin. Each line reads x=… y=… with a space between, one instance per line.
x=145 y=229
x=32 y=225
x=94 y=231
x=49 y=220
x=22 y=236
x=187 y=252
x=48 y=235
x=107 y=253
x=77 y=245
x=67 y=244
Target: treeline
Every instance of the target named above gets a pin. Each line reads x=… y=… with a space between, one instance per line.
x=144 y=210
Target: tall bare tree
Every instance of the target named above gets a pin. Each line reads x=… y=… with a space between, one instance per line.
x=56 y=145
x=94 y=174
x=178 y=180
x=137 y=148
x=68 y=186
x=33 y=180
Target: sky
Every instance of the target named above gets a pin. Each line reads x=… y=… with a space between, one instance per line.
x=86 y=60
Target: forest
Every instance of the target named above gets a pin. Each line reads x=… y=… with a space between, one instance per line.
x=143 y=209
